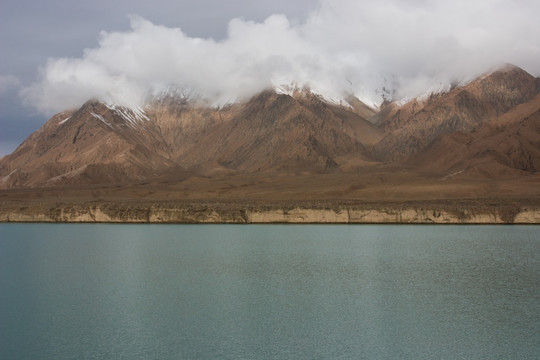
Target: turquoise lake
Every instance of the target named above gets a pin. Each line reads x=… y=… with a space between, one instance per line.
x=98 y=291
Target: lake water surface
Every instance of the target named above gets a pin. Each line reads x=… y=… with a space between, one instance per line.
x=269 y=292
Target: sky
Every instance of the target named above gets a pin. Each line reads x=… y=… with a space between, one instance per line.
x=57 y=54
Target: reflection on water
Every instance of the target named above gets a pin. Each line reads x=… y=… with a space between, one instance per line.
x=269 y=291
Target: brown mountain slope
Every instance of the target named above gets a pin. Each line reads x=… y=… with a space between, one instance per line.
x=506 y=146
x=94 y=144
x=269 y=132
x=414 y=125
x=363 y=110
x=279 y=132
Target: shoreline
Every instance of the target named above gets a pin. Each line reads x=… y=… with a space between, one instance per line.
x=447 y=212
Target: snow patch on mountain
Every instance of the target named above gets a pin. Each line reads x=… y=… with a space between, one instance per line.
x=64 y=121
x=295 y=90
x=100 y=118
x=133 y=115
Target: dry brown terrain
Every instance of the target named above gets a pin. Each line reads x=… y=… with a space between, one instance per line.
x=380 y=190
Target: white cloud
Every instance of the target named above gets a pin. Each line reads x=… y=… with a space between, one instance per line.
x=345 y=46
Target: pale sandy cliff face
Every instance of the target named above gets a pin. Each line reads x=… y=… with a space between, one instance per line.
x=175 y=213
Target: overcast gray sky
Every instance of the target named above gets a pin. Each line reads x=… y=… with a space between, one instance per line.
x=56 y=53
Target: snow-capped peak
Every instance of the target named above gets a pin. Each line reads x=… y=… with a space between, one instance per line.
x=132 y=115
x=341 y=99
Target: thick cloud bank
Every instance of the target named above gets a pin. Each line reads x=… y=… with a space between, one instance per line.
x=390 y=48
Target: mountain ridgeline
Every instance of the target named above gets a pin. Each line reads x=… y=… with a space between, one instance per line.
x=486 y=130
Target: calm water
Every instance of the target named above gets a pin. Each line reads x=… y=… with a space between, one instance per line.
x=269 y=292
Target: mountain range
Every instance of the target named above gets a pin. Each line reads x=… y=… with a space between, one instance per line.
x=477 y=140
